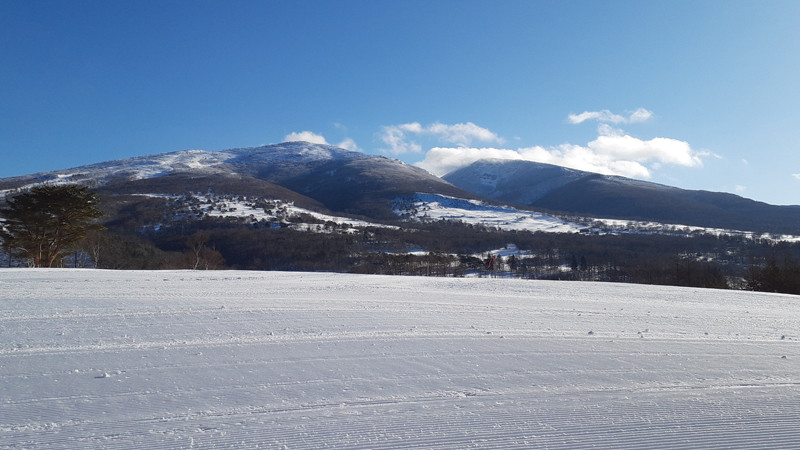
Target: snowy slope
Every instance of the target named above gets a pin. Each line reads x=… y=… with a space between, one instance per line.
x=115 y=359
x=434 y=207
x=137 y=168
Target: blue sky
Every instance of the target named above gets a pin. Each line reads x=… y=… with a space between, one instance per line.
x=698 y=95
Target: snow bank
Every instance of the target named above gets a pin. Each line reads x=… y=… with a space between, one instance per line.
x=177 y=359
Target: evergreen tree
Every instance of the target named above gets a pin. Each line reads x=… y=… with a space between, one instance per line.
x=45 y=223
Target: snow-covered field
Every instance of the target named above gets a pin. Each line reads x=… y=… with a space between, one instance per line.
x=182 y=359
x=435 y=207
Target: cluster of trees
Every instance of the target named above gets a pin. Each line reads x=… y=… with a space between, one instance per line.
x=776 y=276
x=58 y=225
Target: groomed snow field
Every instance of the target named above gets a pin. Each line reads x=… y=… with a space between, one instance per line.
x=189 y=359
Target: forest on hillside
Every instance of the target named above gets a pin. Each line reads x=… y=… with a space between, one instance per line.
x=449 y=249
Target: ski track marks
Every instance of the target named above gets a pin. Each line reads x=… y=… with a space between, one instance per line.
x=183 y=359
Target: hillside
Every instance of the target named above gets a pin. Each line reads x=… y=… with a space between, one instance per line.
x=547 y=187
x=622 y=198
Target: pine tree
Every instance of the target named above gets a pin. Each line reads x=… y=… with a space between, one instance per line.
x=45 y=223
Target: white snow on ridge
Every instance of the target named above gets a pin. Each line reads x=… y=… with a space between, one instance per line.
x=151 y=166
x=178 y=359
x=189 y=159
x=198 y=161
x=135 y=168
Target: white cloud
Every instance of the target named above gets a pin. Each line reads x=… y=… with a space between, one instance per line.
x=399 y=139
x=610 y=155
x=740 y=189
x=394 y=137
x=306 y=136
x=663 y=150
x=601 y=116
x=796 y=175
x=587 y=159
x=640 y=115
x=314 y=138
x=463 y=133
x=613 y=152
x=413 y=127
x=442 y=160
x=606 y=116
x=348 y=144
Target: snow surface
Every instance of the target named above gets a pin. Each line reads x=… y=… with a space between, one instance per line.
x=434 y=207
x=182 y=359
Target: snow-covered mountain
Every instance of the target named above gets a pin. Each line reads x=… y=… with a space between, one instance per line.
x=274 y=163
x=553 y=188
x=302 y=206
x=317 y=182
x=137 y=168
x=312 y=175
x=334 y=182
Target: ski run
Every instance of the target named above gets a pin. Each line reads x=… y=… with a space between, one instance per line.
x=190 y=359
